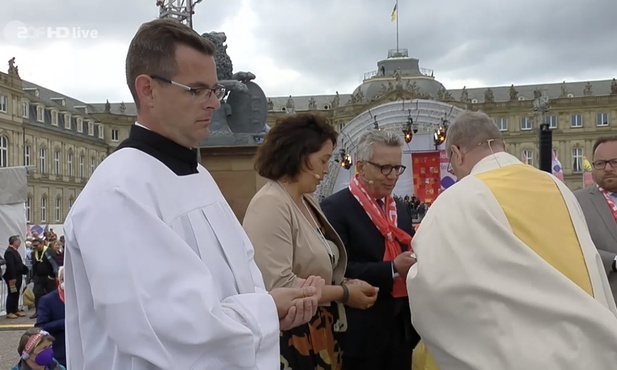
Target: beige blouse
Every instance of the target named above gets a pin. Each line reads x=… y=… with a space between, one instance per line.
x=287 y=246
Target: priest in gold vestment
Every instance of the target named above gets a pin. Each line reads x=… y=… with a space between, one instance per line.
x=507 y=276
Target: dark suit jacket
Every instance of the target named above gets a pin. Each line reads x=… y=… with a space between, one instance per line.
x=51 y=319
x=602 y=227
x=368 y=330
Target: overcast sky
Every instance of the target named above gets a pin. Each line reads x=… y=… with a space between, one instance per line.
x=310 y=47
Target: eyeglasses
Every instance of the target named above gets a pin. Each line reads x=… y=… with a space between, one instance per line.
x=601 y=164
x=386 y=169
x=199 y=93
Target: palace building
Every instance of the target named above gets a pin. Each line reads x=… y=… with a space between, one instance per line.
x=62 y=139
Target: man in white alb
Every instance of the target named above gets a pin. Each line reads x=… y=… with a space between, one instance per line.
x=159 y=272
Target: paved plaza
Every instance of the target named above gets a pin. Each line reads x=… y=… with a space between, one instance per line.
x=10 y=332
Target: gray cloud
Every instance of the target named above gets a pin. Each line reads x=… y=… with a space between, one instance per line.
x=332 y=43
x=498 y=43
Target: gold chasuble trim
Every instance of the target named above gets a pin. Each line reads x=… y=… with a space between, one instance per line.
x=564 y=252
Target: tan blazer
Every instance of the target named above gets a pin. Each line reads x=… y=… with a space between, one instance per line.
x=287 y=246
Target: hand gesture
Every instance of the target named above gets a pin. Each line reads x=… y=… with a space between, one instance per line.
x=361 y=295
x=296 y=306
x=403 y=262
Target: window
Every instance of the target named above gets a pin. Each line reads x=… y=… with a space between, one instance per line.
x=28 y=209
x=92 y=165
x=90 y=128
x=40 y=116
x=101 y=132
x=577 y=160
x=43 y=209
x=82 y=166
x=67 y=121
x=502 y=123
x=54 y=118
x=4 y=104
x=4 y=151
x=69 y=164
x=27 y=155
x=552 y=121
x=115 y=135
x=80 y=125
x=528 y=157
x=71 y=201
x=58 y=210
x=577 y=120
x=25 y=109
x=56 y=162
x=43 y=160
x=602 y=119
x=525 y=123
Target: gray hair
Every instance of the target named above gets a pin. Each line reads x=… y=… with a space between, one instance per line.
x=369 y=139
x=61 y=275
x=472 y=129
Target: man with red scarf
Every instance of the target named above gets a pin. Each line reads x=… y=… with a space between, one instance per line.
x=376 y=230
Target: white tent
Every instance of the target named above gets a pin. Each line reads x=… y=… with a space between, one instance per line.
x=13 y=196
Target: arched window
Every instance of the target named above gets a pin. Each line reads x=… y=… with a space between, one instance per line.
x=4 y=151
x=58 y=209
x=82 y=166
x=29 y=208
x=27 y=155
x=43 y=160
x=44 y=209
x=69 y=163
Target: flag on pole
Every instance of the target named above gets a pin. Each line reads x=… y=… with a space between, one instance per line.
x=394 y=12
x=587 y=177
x=556 y=166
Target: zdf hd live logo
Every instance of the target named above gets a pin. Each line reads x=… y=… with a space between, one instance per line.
x=18 y=32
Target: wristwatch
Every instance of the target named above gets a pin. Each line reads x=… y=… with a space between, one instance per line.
x=395 y=274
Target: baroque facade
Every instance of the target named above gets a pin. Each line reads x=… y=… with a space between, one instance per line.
x=577 y=112
x=59 y=139
x=62 y=140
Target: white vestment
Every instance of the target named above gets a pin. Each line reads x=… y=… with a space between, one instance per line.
x=160 y=275
x=482 y=299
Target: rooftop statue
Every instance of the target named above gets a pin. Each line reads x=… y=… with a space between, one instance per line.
x=513 y=93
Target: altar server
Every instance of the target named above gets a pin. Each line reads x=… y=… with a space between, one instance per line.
x=159 y=272
x=507 y=276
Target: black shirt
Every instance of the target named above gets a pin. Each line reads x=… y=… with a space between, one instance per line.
x=180 y=159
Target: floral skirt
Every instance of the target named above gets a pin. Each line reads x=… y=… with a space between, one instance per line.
x=316 y=345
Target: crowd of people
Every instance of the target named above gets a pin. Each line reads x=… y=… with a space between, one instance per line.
x=502 y=272
x=42 y=268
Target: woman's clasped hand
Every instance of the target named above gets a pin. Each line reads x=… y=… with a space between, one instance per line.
x=362 y=295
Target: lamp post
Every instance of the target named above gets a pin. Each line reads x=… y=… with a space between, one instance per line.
x=545 y=135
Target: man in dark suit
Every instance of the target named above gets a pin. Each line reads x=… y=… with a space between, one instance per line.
x=598 y=205
x=364 y=214
x=13 y=276
x=51 y=317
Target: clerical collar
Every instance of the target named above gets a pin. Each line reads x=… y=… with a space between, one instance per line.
x=181 y=160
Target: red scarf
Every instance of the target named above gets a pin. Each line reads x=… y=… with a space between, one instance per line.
x=387 y=226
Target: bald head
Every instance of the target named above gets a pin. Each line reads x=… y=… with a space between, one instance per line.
x=470 y=138
x=472 y=129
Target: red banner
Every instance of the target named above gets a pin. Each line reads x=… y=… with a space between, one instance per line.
x=426 y=175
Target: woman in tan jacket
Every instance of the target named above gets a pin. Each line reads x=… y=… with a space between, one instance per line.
x=293 y=240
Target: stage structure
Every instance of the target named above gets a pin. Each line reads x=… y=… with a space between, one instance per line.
x=180 y=10
x=422 y=124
